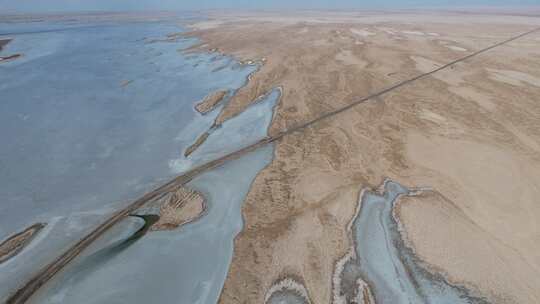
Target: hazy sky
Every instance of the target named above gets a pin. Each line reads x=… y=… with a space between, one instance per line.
x=78 y=5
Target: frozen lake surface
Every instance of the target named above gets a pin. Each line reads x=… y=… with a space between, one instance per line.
x=187 y=265
x=93 y=116
x=391 y=269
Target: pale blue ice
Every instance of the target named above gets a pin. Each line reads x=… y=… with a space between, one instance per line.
x=76 y=143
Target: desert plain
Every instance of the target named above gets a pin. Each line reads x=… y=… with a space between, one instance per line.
x=466 y=133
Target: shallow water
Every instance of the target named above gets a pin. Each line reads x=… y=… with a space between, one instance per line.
x=77 y=144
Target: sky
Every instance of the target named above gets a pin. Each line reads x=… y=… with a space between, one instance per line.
x=120 y=5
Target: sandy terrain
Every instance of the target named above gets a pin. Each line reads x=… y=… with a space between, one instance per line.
x=179 y=208
x=470 y=132
x=199 y=141
x=16 y=243
x=210 y=102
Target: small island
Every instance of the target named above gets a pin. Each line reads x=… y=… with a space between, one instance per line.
x=181 y=207
x=211 y=101
x=16 y=243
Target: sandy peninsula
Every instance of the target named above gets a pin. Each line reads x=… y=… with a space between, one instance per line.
x=179 y=208
x=16 y=243
x=210 y=102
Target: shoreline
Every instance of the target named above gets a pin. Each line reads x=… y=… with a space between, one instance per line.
x=177 y=181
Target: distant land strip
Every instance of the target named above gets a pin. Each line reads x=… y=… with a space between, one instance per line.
x=47 y=272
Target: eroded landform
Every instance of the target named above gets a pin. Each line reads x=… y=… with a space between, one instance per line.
x=334 y=104
x=210 y=102
x=467 y=135
x=16 y=243
x=391 y=268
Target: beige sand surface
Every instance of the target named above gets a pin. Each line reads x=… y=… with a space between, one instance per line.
x=470 y=132
x=16 y=243
x=179 y=208
x=210 y=102
x=199 y=141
